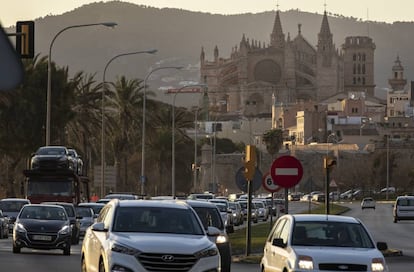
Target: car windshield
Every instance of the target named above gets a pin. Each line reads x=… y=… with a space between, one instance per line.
x=43 y=213
x=259 y=205
x=334 y=234
x=221 y=206
x=51 y=151
x=96 y=208
x=157 y=220
x=11 y=206
x=243 y=205
x=209 y=217
x=84 y=212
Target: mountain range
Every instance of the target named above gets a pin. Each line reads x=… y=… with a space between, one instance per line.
x=179 y=35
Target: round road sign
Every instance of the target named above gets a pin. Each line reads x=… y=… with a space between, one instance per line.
x=241 y=181
x=286 y=171
x=269 y=185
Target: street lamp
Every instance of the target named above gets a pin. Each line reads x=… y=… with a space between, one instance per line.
x=143 y=121
x=49 y=73
x=151 y=51
x=173 y=136
x=388 y=166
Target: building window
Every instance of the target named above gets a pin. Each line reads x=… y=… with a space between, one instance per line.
x=354 y=68
x=354 y=57
x=359 y=69
x=363 y=57
x=363 y=81
x=354 y=80
x=363 y=68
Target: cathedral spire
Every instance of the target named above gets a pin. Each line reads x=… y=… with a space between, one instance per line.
x=325 y=41
x=277 y=38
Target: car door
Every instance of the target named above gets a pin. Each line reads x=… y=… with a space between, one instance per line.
x=277 y=254
x=95 y=245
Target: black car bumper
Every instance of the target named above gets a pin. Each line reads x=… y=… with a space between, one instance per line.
x=225 y=256
x=41 y=240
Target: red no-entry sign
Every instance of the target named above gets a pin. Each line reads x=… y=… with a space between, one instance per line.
x=286 y=171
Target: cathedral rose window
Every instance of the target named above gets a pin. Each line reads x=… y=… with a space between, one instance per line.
x=267 y=71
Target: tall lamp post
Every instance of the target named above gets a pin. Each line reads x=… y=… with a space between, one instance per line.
x=151 y=51
x=49 y=73
x=388 y=167
x=173 y=136
x=144 y=102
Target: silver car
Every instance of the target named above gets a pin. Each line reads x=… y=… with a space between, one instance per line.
x=318 y=242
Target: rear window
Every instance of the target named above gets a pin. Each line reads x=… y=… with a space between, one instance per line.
x=405 y=202
x=12 y=206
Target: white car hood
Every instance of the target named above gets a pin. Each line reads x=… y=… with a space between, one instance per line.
x=339 y=254
x=166 y=243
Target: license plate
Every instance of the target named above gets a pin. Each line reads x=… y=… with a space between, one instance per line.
x=42 y=238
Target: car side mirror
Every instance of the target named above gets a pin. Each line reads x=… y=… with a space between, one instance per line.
x=213 y=231
x=382 y=246
x=100 y=226
x=278 y=242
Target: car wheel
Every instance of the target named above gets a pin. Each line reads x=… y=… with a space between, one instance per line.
x=6 y=235
x=101 y=266
x=16 y=249
x=2 y=234
x=66 y=250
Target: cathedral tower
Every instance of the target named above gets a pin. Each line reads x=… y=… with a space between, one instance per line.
x=397 y=82
x=359 y=64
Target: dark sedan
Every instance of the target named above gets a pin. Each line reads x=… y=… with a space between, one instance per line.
x=209 y=215
x=52 y=158
x=41 y=226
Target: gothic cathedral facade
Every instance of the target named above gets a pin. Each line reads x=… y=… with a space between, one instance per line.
x=287 y=70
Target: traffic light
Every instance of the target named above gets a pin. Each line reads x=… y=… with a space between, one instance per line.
x=25 y=39
x=250 y=162
x=329 y=162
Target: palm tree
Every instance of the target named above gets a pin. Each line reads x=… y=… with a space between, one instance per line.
x=273 y=140
x=87 y=119
x=124 y=104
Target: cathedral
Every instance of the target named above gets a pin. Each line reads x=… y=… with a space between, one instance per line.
x=289 y=70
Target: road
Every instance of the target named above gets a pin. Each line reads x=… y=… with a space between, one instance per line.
x=378 y=221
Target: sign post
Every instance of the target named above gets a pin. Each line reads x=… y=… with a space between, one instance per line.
x=271 y=187
x=249 y=170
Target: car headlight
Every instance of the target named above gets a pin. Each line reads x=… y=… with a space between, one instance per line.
x=125 y=250
x=208 y=252
x=378 y=264
x=20 y=228
x=65 y=230
x=221 y=239
x=63 y=159
x=305 y=262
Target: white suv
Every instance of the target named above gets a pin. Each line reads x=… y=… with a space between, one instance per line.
x=149 y=235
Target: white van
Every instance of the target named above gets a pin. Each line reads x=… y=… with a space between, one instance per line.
x=404 y=208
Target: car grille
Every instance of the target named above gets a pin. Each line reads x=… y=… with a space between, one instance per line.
x=342 y=267
x=49 y=164
x=51 y=241
x=166 y=262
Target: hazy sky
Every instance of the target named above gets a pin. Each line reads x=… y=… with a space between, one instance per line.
x=375 y=10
